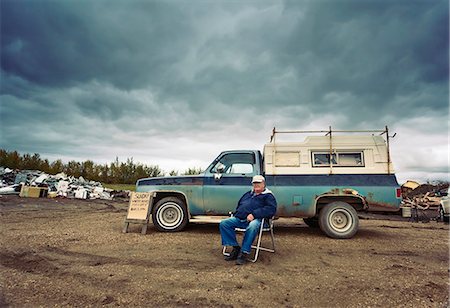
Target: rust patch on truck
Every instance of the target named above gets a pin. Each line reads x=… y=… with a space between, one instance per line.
x=340 y=192
x=382 y=207
x=334 y=191
x=348 y=195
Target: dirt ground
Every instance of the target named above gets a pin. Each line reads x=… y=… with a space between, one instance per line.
x=60 y=252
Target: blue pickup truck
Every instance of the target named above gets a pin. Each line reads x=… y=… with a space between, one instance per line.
x=325 y=180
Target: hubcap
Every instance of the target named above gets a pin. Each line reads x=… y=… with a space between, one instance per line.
x=340 y=220
x=170 y=215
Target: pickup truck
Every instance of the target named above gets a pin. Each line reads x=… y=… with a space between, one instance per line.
x=325 y=180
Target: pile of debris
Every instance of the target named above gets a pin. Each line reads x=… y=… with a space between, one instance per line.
x=423 y=195
x=419 y=199
x=27 y=183
x=424 y=201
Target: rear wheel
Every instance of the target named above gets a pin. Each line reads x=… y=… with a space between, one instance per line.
x=170 y=215
x=339 y=220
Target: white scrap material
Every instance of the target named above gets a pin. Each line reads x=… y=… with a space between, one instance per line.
x=40 y=179
x=98 y=190
x=96 y=193
x=62 y=188
x=8 y=190
x=106 y=196
x=81 y=193
x=60 y=176
x=59 y=184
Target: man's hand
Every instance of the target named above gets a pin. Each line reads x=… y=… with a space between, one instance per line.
x=250 y=217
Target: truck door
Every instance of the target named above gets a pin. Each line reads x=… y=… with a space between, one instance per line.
x=227 y=179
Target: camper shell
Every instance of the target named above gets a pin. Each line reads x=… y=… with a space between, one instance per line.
x=326 y=178
x=349 y=155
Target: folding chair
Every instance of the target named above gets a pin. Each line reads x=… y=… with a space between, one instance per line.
x=266 y=226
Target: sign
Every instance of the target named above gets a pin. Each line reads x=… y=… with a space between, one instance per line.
x=138 y=210
x=139 y=203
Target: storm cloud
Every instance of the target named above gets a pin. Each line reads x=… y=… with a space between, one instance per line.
x=175 y=82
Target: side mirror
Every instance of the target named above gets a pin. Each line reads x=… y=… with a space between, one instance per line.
x=217 y=176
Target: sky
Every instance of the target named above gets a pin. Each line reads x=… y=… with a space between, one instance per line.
x=173 y=83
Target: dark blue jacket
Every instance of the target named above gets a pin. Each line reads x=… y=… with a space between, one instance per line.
x=263 y=205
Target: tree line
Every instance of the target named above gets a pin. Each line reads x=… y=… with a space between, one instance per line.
x=115 y=172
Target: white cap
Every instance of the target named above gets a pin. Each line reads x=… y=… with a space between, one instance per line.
x=258 y=179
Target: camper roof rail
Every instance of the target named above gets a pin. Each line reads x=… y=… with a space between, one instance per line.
x=327 y=132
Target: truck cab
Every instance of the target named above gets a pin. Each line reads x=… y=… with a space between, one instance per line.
x=325 y=180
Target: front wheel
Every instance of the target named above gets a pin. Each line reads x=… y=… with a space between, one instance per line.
x=339 y=220
x=170 y=215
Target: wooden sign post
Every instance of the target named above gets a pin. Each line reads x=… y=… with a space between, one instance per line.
x=139 y=210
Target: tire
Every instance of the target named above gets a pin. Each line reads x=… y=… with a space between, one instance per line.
x=312 y=222
x=170 y=215
x=339 y=220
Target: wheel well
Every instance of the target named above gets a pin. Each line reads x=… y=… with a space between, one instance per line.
x=356 y=202
x=163 y=194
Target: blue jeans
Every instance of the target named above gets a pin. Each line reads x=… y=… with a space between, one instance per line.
x=229 y=235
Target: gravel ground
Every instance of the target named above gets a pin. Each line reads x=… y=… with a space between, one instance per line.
x=60 y=252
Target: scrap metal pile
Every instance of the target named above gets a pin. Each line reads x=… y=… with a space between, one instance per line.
x=423 y=196
x=58 y=185
x=423 y=199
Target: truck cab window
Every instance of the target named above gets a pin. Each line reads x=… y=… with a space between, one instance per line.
x=234 y=163
x=241 y=168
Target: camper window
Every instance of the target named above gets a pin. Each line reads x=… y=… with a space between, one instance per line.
x=350 y=159
x=323 y=159
x=346 y=159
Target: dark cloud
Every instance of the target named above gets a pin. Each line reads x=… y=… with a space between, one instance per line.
x=373 y=50
x=78 y=73
x=55 y=43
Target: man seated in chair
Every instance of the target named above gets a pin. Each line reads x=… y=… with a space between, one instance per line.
x=253 y=206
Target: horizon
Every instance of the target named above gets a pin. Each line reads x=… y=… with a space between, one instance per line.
x=401 y=180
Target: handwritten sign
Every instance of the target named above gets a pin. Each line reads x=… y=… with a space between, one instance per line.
x=139 y=203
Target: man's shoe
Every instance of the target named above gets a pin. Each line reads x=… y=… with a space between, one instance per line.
x=233 y=254
x=242 y=258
